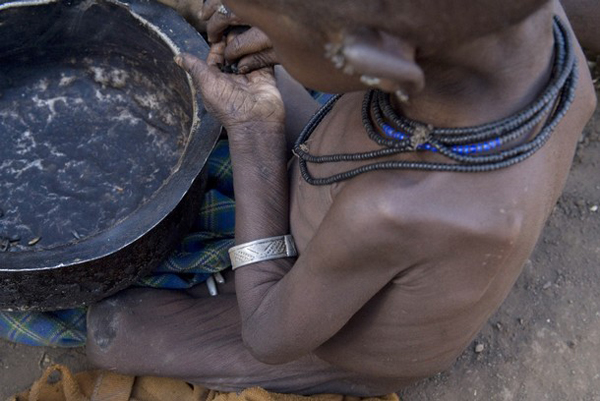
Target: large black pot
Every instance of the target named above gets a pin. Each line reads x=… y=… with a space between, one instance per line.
x=100 y=71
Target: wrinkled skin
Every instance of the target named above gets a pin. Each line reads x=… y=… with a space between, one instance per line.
x=249 y=48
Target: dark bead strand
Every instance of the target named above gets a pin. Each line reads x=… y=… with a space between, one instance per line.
x=440 y=167
x=514 y=121
x=372 y=132
x=564 y=103
x=564 y=56
x=437 y=144
x=342 y=157
x=556 y=100
x=496 y=136
x=496 y=132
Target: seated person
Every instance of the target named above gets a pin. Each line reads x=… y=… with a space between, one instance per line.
x=445 y=155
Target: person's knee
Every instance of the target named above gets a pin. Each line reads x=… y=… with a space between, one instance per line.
x=104 y=324
x=112 y=327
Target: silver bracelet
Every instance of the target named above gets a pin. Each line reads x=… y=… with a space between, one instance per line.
x=263 y=249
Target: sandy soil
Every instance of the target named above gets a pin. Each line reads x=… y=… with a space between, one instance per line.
x=543 y=343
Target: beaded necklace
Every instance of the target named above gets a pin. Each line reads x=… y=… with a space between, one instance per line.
x=468 y=148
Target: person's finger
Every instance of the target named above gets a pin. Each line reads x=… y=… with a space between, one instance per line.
x=188 y=9
x=234 y=31
x=264 y=75
x=218 y=24
x=209 y=79
x=209 y=7
x=266 y=58
x=199 y=25
x=199 y=70
x=216 y=54
x=251 y=41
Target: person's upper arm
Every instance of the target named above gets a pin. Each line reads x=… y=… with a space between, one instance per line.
x=299 y=105
x=349 y=260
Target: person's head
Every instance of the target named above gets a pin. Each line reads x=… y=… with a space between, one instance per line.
x=373 y=38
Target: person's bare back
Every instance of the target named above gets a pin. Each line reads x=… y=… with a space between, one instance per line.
x=398 y=269
x=456 y=241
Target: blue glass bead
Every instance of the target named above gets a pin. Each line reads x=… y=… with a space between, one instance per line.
x=392 y=133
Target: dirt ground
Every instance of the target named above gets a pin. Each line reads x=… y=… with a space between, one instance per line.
x=543 y=343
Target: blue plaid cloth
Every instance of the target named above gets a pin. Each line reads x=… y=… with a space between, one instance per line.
x=201 y=253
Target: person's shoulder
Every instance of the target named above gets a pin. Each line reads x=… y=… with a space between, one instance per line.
x=374 y=199
x=410 y=209
x=347 y=104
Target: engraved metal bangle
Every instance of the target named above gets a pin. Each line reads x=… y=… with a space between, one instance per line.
x=263 y=249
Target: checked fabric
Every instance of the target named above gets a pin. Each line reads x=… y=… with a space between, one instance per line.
x=201 y=253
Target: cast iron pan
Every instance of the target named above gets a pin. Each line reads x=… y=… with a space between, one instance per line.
x=103 y=141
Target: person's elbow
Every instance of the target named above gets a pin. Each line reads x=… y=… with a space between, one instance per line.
x=271 y=349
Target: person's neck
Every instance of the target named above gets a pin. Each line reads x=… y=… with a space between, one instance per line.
x=487 y=79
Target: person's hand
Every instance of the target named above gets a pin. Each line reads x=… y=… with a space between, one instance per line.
x=249 y=50
x=218 y=20
x=246 y=48
x=247 y=103
x=188 y=9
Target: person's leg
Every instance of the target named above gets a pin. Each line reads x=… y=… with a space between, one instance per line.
x=585 y=19
x=172 y=334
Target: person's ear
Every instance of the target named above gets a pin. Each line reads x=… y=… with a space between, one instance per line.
x=383 y=61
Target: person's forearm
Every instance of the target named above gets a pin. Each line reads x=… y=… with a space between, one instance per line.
x=261 y=192
x=260 y=182
x=251 y=109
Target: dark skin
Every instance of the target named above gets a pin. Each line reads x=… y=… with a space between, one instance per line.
x=190 y=10
x=584 y=15
x=398 y=270
x=253 y=49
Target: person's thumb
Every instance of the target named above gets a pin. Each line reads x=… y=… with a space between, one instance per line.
x=198 y=69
